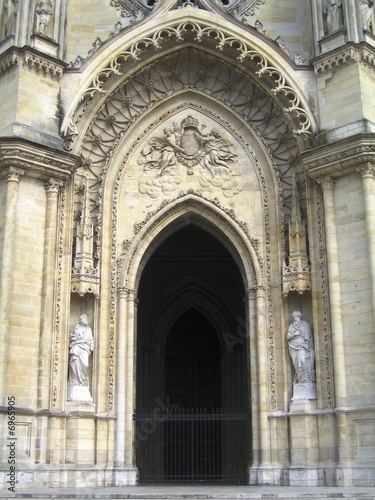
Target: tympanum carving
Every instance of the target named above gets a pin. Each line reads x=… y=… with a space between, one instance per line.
x=187 y=146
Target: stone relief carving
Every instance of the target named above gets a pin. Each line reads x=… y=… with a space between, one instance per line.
x=42 y=16
x=80 y=347
x=332 y=14
x=367 y=15
x=186 y=145
x=301 y=350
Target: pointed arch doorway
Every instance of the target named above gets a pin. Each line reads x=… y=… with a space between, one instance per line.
x=192 y=386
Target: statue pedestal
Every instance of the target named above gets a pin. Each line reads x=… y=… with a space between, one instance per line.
x=79 y=393
x=304 y=450
x=304 y=390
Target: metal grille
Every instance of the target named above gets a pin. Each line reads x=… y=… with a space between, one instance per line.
x=192 y=445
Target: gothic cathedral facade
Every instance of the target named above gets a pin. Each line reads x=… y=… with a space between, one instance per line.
x=187 y=242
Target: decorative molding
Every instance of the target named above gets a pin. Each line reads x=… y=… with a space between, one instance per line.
x=10 y=60
x=341 y=157
x=262 y=67
x=324 y=294
x=40 y=63
x=37 y=160
x=56 y=394
x=334 y=60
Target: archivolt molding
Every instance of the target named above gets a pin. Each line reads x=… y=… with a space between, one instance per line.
x=274 y=78
x=191 y=201
x=323 y=291
x=56 y=393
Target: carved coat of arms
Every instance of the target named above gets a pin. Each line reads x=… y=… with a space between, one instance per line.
x=186 y=145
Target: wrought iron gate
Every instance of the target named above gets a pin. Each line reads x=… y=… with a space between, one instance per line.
x=191 y=445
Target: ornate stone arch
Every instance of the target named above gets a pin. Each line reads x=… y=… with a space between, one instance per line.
x=123 y=53
x=188 y=208
x=191 y=207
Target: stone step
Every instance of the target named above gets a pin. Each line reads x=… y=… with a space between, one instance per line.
x=194 y=492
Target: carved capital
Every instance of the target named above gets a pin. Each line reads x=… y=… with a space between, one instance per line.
x=367 y=170
x=53 y=186
x=259 y=291
x=327 y=183
x=126 y=293
x=13 y=174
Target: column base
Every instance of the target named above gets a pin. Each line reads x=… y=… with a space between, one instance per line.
x=125 y=476
x=306 y=476
x=272 y=475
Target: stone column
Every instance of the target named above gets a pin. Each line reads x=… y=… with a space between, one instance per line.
x=120 y=378
x=254 y=383
x=337 y=329
x=368 y=183
x=47 y=309
x=125 y=472
x=130 y=379
x=13 y=177
x=263 y=379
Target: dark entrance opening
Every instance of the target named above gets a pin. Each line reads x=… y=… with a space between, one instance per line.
x=193 y=386
x=192 y=407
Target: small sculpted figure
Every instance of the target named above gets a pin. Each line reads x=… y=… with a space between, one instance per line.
x=43 y=13
x=367 y=15
x=333 y=12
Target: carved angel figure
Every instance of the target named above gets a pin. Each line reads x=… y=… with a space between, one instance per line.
x=217 y=151
x=160 y=153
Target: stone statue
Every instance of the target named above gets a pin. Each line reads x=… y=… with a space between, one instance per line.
x=10 y=13
x=43 y=13
x=81 y=345
x=301 y=349
x=367 y=15
x=333 y=12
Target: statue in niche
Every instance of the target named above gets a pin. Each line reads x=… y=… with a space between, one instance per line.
x=301 y=349
x=187 y=145
x=332 y=10
x=10 y=13
x=80 y=347
x=367 y=15
x=43 y=13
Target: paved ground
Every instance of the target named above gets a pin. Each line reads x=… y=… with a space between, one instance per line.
x=194 y=492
